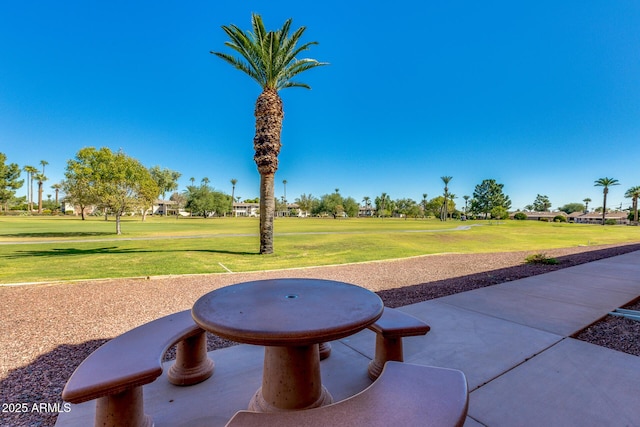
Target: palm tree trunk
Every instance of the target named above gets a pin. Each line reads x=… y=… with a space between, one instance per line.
x=269 y=114
x=39 y=197
x=267 y=211
x=604 y=205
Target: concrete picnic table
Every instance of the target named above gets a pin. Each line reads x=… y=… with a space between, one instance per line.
x=290 y=317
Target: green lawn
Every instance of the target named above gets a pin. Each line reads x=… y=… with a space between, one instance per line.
x=37 y=249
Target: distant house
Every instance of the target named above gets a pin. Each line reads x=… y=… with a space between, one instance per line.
x=538 y=216
x=596 y=218
x=165 y=207
x=246 y=209
x=69 y=208
x=366 y=211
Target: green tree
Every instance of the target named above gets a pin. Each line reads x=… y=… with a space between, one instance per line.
x=271 y=59
x=572 y=207
x=330 y=204
x=351 y=207
x=633 y=193
x=9 y=181
x=115 y=181
x=407 y=208
x=541 y=203
x=166 y=180
x=605 y=183
x=383 y=205
x=487 y=195
x=206 y=201
x=80 y=184
x=586 y=204
x=499 y=212
x=306 y=203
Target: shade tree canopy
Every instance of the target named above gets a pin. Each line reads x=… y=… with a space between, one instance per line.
x=9 y=181
x=114 y=181
x=488 y=195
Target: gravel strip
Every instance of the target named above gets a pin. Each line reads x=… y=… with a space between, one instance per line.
x=49 y=329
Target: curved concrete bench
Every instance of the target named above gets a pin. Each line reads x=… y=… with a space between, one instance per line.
x=390 y=328
x=403 y=395
x=115 y=373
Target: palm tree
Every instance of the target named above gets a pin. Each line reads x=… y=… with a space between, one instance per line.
x=384 y=198
x=284 y=182
x=270 y=58
x=30 y=170
x=605 y=183
x=466 y=200
x=446 y=180
x=424 y=205
x=193 y=180
x=586 y=204
x=233 y=193
x=633 y=193
x=205 y=181
x=41 y=179
x=57 y=187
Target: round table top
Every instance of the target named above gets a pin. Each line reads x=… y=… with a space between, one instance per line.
x=284 y=312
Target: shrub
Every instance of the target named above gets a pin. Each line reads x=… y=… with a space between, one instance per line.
x=610 y=222
x=520 y=216
x=543 y=219
x=540 y=258
x=559 y=218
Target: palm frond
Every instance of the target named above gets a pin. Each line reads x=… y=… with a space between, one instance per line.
x=269 y=57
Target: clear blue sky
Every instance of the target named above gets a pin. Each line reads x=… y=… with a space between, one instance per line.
x=542 y=96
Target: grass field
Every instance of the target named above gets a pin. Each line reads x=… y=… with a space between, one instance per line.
x=39 y=249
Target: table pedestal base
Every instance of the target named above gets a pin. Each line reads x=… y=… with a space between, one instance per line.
x=291 y=380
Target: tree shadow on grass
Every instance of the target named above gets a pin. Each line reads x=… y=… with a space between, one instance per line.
x=49 y=235
x=56 y=252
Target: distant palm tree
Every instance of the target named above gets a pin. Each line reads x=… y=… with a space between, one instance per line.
x=444 y=213
x=31 y=171
x=605 y=183
x=41 y=179
x=384 y=198
x=205 y=181
x=633 y=193
x=193 y=180
x=57 y=187
x=271 y=59
x=424 y=205
x=233 y=192
x=284 y=182
x=466 y=200
x=586 y=204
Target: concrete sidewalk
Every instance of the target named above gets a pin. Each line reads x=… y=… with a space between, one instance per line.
x=511 y=340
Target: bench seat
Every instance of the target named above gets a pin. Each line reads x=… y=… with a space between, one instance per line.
x=115 y=373
x=390 y=328
x=403 y=395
